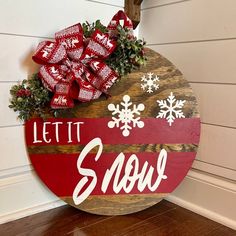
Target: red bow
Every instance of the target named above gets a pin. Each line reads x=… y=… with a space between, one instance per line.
x=73 y=70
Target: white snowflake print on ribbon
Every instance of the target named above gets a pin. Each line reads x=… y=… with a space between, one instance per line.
x=124 y=118
x=170 y=109
x=149 y=82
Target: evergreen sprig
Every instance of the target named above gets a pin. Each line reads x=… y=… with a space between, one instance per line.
x=88 y=29
x=129 y=54
x=30 y=98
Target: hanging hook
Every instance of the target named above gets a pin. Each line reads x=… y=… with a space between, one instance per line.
x=133 y=9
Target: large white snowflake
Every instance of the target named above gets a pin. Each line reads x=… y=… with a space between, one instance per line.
x=149 y=83
x=170 y=109
x=124 y=118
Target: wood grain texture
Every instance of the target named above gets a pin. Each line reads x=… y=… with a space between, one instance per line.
x=125 y=148
x=117 y=205
x=170 y=80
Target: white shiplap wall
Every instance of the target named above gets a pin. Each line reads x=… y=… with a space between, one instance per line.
x=199 y=37
x=23 y=24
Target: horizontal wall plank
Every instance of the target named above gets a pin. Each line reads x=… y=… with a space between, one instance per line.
x=217 y=146
x=214 y=169
x=212 y=61
x=43 y=18
x=18 y=193
x=13 y=149
x=189 y=21
x=150 y=3
x=10 y=117
x=5 y=173
x=217 y=103
x=118 y=3
x=16 y=57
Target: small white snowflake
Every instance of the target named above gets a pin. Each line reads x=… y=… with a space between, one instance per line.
x=126 y=115
x=171 y=109
x=149 y=82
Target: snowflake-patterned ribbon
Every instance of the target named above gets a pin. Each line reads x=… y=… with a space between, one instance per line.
x=72 y=70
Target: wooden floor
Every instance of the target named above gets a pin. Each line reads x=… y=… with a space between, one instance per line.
x=163 y=219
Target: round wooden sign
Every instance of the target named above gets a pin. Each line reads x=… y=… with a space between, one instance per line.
x=122 y=154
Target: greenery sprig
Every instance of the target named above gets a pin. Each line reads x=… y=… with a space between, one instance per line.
x=31 y=99
x=129 y=54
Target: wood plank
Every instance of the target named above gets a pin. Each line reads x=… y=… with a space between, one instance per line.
x=212 y=62
x=171 y=23
x=13 y=151
x=22 y=18
x=213 y=168
x=216 y=103
x=176 y=222
x=222 y=231
x=217 y=146
x=118 y=3
x=15 y=58
x=67 y=225
x=191 y=222
x=10 y=117
x=29 y=223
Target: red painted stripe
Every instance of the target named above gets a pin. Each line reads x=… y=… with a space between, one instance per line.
x=59 y=171
x=155 y=131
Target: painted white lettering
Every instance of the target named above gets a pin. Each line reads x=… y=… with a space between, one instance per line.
x=77 y=196
x=128 y=181
x=117 y=164
x=45 y=132
x=161 y=165
x=56 y=129
x=69 y=132
x=78 y=129
x=122 y=180
x=35 y=134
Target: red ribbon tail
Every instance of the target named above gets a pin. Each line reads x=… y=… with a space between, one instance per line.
x=61 y=98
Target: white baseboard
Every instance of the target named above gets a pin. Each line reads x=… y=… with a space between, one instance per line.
x=23 y=195
x=209 y=196
x=30 y=211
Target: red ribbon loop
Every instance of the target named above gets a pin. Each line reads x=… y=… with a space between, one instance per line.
x=115 y=21
x=72 y=70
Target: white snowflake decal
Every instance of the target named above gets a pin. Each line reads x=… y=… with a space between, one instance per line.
x=171 y=109
x=149 y=82
x=126 y=116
